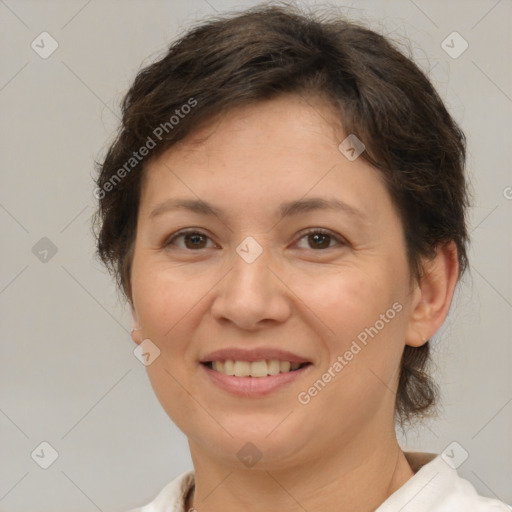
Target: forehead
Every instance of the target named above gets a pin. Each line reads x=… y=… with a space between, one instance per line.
x=281 y=149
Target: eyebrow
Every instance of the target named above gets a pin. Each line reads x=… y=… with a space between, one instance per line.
x=288 y=209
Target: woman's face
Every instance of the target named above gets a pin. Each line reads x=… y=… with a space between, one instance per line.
x=326 y=286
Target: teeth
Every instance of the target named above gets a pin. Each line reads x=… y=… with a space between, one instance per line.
x=229 y=368
x=273 y=367
x=242 y=369
x=257 y=369
x=254 y=369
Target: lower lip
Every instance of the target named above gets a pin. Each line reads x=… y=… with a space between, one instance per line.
x=254 y=386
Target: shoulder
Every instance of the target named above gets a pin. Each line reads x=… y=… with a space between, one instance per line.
x=172 y=497
x=437 y=487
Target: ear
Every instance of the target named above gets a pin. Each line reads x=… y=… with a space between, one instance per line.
x=433 y=295
x=135 y=332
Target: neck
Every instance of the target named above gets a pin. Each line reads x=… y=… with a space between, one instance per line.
x=345 y=482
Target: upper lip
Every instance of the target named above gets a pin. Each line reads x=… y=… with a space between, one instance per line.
x=251 y=355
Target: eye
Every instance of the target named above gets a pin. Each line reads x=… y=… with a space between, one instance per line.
x=192 y=238
x=321 y=239
x=196 y=240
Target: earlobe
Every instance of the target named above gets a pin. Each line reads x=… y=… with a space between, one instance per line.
x=433 y=295
x=135 y=335
x=135 y=332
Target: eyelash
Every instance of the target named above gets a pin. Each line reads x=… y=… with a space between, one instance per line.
x=341 y=241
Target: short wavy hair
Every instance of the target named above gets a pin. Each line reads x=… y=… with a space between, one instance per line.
x=379 y=93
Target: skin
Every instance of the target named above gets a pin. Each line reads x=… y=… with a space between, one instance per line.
x=340 y=450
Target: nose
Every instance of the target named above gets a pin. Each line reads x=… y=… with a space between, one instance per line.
x=252 y=295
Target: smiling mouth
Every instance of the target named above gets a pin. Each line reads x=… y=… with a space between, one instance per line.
x=258 y=369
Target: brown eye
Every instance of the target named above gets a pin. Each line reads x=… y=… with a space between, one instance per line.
x=196 y=240
x=193 y=240
x=320 y=239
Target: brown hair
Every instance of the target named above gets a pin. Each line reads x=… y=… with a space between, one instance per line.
x=381 y=96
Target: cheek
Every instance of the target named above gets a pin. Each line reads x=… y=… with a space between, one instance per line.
x=367 y=317
x=163 y=298
x=350 y=299
x=363 y=315
x=164 y=303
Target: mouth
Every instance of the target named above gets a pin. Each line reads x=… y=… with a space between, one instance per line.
x=255 y=369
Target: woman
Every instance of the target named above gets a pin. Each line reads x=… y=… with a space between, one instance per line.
x=284 y=209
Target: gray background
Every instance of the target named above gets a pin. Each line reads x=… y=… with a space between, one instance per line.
x=68 y=373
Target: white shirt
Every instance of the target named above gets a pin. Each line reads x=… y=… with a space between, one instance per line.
x=435 y=487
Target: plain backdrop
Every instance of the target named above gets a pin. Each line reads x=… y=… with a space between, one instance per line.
x=68 y=373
